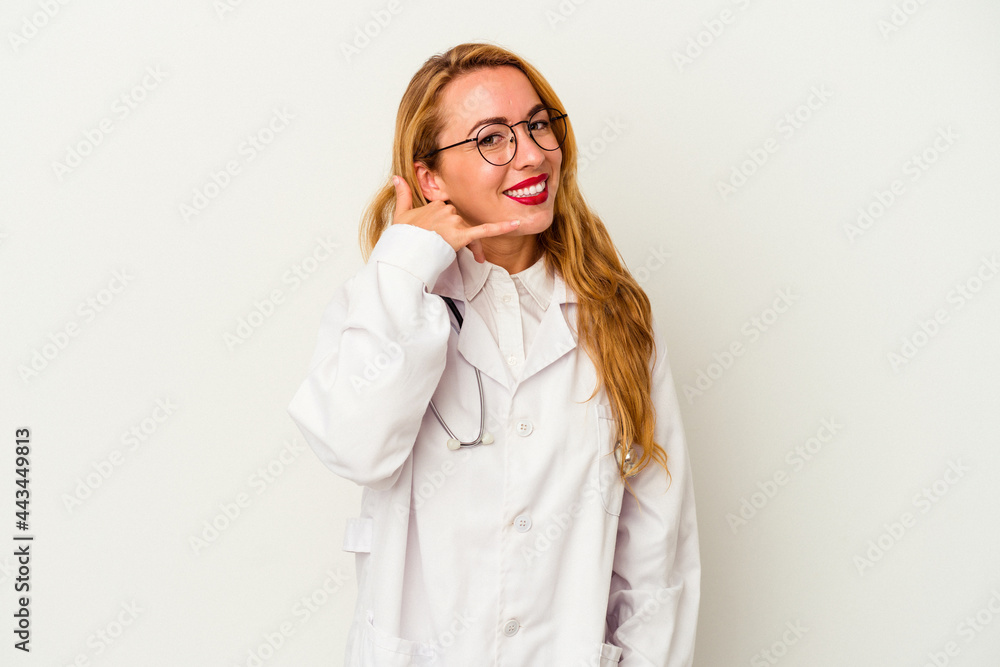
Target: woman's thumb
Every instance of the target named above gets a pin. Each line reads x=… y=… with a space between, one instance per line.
x=404 y=200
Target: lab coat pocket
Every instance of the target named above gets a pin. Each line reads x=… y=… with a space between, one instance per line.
x=610 y=655
x=380 y=649
x=609 y=479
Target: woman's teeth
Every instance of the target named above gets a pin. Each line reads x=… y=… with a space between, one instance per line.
x=526 y=192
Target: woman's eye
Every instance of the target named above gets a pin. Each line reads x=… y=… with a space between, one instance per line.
x=490 y=141
x=540 y=126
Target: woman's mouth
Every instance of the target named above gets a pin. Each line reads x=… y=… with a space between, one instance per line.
x=531 y=195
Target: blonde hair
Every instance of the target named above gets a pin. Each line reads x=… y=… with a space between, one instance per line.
x=613 y=309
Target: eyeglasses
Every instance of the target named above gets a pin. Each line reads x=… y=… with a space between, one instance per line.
x=497 y=142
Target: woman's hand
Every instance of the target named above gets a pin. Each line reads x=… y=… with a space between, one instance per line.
x=444 y=219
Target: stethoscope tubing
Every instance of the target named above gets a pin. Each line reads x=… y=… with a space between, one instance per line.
x=482 y=398
x=483 y=435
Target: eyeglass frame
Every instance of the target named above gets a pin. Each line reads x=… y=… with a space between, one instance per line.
x=513 y=133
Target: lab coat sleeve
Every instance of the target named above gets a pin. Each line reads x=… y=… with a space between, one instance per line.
x=656 y=578
x=380 y=354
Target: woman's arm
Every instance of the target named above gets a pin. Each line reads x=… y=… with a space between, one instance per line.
x=656 y=579
x=380 y=355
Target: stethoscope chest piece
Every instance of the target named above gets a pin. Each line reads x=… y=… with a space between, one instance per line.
x=631 y=459
x=455 y=443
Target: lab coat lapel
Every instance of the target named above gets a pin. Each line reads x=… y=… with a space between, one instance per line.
x=475 y=342
x=554 y=337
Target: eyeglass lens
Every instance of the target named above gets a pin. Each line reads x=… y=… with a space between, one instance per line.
x=497 y=142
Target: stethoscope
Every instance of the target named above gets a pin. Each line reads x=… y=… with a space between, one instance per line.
x=484 y=438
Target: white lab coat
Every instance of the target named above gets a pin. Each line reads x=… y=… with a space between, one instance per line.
x=526 y=551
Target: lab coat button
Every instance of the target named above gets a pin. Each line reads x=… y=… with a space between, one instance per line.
x=523 y=428
x=522 y=523
x=510 y=627
x=506 y=298
x=511 y=360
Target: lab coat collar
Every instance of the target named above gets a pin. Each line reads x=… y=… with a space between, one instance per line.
x=465 y=277
x=537 y=279
x=462 y=281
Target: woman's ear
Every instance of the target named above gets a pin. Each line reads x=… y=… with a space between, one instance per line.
x=430 y=183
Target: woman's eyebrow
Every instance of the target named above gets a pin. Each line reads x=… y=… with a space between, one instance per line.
x=503 y=119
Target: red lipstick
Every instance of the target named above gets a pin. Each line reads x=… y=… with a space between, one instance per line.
x=533 y=199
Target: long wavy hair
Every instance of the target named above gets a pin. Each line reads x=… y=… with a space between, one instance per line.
x=614 y=322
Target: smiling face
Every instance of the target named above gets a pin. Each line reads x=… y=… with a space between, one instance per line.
x=474 y=186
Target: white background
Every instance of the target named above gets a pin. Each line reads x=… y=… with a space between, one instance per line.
x=888 y=90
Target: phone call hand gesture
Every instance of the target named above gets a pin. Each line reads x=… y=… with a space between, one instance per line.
x=437 y=216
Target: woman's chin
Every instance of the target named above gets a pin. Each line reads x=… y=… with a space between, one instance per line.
x=534 y=219
x=534 y=224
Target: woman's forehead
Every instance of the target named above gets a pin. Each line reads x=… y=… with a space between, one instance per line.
x=488 y=93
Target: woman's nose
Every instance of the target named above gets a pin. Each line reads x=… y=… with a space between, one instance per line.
x=528 y=152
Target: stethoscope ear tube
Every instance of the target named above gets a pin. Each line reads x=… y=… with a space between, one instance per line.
x=483 y=438
x=454 y=309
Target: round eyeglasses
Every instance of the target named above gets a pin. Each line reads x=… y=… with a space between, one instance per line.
x=497 y=142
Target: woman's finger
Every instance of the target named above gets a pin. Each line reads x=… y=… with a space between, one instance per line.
x=493 y=228
x=404 y=200
x=477 y=251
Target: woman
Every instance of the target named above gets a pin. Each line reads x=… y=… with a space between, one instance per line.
x=547 y=528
